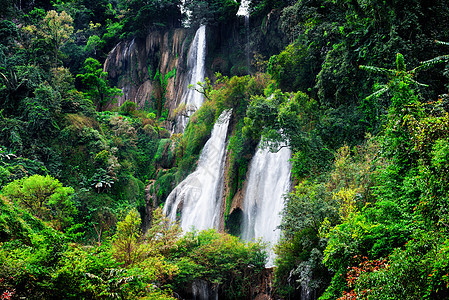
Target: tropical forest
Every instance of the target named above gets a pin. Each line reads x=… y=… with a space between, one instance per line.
x=224 y=149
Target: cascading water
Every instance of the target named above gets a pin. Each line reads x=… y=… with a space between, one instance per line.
x=196 y=59
x=201 y=290
x=244 y=8
x=244 y=11
x=127 y=61
x=268 y=181
x=199 y=195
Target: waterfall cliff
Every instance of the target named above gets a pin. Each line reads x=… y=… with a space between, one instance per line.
x=244 y=11
x=198 y=197
x=192 y=99
x=136 y=67
x=268 y=181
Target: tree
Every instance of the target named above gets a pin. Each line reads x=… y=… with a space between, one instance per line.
x=56 y=29
x=144 y=16
x=164 y=233
x=7 y=8
x=211 y=12
x=8 y=32
x=97 y=85
x=44 y=197
x=128 y=247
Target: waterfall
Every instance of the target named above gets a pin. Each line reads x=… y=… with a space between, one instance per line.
x=244 y=8
x=196 y=59
x=268 y=180
x=244 y=11
x=199 y=195
x=202 y=291
x=127 y=61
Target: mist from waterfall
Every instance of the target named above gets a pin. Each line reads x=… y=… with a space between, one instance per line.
x=268 y=181
x=198 y=197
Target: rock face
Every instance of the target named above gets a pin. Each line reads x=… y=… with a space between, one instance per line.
x=142 y=67
x=150 y=71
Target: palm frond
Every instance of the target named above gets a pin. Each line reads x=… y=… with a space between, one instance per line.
x=425 y=65
x=377 y=70
x=442 y=43
x=418 y=83
x=377 y=93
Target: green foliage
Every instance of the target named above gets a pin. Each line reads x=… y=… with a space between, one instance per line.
x=380 y=209
x=13 y=167
x=142 y=17
x=263 y=7
x=163 y=234
x=7 y=8
x=26 y=269
x=17 y=224
x=221 y=260
x=55 y=29
x=400 y=73
x=128 y=108
x=44 y=197
x=211 y=12
x=300 y=252
x=96 y=84
x=332 y=202
x=17 y=83
x=284 y=117
x=42 y=110
x=126 y=242
x=163 y=80
x=8 y=32
x=195 y=136
x=415 y=272
x=93 y=44
x=290 y=68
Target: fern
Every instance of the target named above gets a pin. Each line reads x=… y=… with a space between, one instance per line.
x=377 y=70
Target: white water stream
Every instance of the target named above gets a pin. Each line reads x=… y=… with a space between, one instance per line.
x=244 y=8
x=199 y=195
x=268 y=181
x=244 y=11
x=196 y=59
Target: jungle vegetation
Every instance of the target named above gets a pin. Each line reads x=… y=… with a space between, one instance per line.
x=359 y=94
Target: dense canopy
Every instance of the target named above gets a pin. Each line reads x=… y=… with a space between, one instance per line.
x=358 y=90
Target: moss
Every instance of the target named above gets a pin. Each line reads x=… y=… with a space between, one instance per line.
x=81 y=121
x=229 y=198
